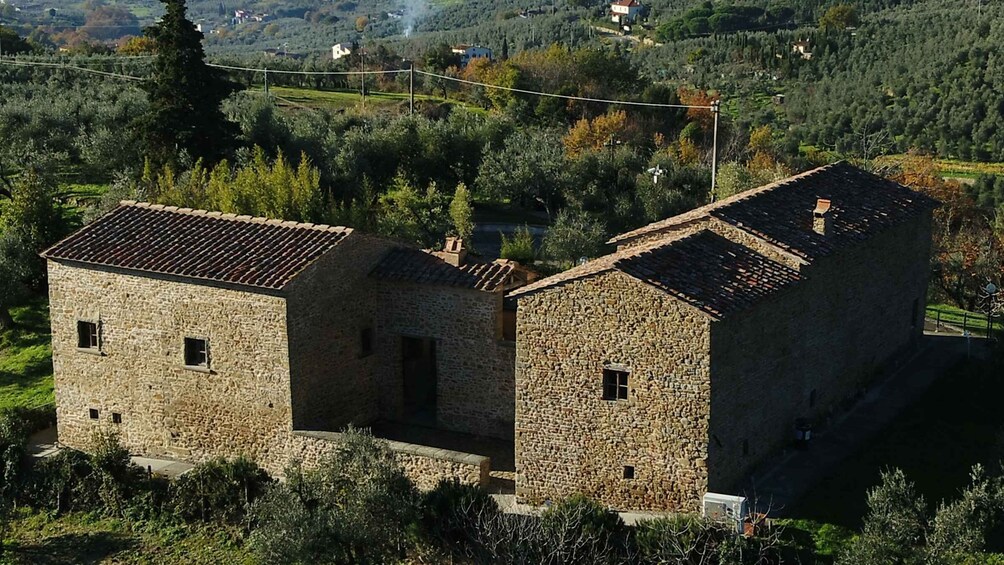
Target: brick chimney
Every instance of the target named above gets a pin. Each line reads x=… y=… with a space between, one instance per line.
x=454 y=253
x=822 y=219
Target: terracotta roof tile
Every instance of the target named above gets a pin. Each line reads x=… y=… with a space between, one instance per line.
x=709 y=272
x=862 y=205
x=197 y=244
x=413 y=265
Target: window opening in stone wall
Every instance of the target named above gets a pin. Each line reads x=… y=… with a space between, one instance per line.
x=509 y=324
x=615 y=384
x=87 y=335
x=913 y=314
x=116 y=418
x=93 y=413
x=629 y=471
x=365 y=342
x=812 y=398
x=196 y=352
x=746 y=447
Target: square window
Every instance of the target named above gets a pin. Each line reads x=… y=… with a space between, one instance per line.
x=196 y=352
x=365 y=342
x=615 y=385
x=93 y=413
x=116 y=418
x=87 y=335
x=629 y=471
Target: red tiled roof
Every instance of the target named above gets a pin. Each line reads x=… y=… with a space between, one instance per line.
x=413 y=265
x=704 y=269
x=862 y=205
x=626 y=3
x=197 y=244
x=710 y=273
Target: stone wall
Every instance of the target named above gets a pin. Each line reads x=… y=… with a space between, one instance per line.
x=241 y=405
x=805 y=350
x=426 y=466
x=328 y=306
x=475 y=370
x=568 y=438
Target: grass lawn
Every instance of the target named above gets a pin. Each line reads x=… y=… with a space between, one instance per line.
x=40 y=539
x=26 y=359
x=976 y=323
x=955 y=425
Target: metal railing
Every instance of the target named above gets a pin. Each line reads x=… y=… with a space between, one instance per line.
x=964 y=322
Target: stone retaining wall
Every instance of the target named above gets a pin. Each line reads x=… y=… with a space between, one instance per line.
x=424 y=465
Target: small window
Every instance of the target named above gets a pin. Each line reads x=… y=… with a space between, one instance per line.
x=365 y=342
x=116 y=418
x=629 y=471
x=87 y=335
x=196 y=352
x=509 y=324
x=615 y=385
x=746 y=447
x=812 y=398
x=93 y=413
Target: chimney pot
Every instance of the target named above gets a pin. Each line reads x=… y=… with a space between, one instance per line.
x=822 y=220
x=455 y=252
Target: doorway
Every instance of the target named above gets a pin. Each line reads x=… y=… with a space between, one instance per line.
x=419 y=374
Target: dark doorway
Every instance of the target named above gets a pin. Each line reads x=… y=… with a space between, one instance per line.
x=419 y=360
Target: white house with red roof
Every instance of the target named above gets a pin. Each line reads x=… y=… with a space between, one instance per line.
x=625 y=11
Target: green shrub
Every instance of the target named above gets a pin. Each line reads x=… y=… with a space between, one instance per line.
x=452 y=515
x=672 y=539
x=580 y=530
x=218 y=491
x=63 y=483
x=519 y=247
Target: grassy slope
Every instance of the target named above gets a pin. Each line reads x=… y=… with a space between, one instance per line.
x=334 y=100
x=39 y=538
x=26 y=359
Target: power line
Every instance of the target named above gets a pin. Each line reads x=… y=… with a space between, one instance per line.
x=68 y=67
x=565 y=96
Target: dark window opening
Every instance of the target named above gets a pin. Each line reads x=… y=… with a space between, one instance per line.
x=913 y=314
x=812 y=399
x=93 y=413
x=628 y=471
x=366 y=342
x=746 y=447
x=196 y=352
x=116 y=418
x=718 y=442
x=615 y=385
x=87 y=335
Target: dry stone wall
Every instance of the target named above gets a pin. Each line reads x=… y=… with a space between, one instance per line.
x=426 y=466
x=240 y=405
x=568 y=438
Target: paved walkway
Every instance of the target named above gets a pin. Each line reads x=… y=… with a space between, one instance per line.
x=43 y=444
x=784 y=479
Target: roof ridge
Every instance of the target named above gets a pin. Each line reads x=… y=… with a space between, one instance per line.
x=235 y=217
x=705 y=211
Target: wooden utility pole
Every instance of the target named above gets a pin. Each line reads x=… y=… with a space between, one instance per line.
x=715 y=109
x=411 y=87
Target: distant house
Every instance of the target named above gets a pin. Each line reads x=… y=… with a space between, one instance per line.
x=470 y=52
x=625 y=11
x=778 y=99
x=340 y=50
x=802 y=48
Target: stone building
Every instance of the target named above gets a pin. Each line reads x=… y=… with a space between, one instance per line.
x=673 y=366
x=199 y=334
x=644 y=378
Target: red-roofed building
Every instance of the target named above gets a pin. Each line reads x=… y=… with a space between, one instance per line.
x=625 y=11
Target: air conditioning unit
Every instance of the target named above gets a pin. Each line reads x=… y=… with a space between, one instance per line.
x=726 y=508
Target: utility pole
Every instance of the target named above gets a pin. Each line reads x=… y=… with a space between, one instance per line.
x=362 y=77
x=715 y=109
x=266 y=81
x=411 y=87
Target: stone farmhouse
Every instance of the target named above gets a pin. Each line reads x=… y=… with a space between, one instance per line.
x=644 y=378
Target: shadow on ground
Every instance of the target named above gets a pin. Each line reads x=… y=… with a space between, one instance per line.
x=72 y=548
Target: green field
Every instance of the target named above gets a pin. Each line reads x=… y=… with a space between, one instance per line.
x=26 y=359
x=334 y=100
x=976 y=323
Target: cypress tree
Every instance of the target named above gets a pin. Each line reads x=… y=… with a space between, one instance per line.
x=185 y=94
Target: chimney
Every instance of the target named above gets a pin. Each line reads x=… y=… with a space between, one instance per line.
x=454 y=253
x=822 y=219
